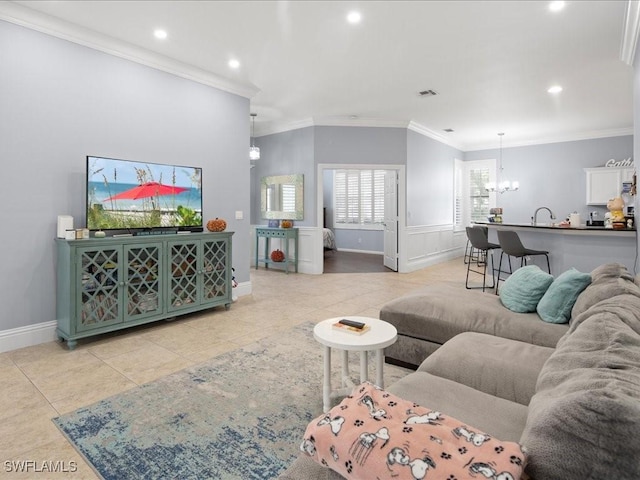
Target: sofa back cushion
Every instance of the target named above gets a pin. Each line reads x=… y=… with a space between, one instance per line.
x=607 y=281
x=584 y=419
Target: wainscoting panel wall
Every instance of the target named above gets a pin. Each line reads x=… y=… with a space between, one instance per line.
x=420 y=247
x=430 y=244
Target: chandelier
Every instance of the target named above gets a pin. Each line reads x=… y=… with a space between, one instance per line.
x=503 y=184
x=254 y=152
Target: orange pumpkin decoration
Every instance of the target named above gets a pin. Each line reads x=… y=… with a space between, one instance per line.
x=217 y=225
x=286 y=224
x=277 y=256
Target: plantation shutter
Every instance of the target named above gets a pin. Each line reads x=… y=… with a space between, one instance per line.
x=458 y=196
x=478 y=195
x=358 y=197
x=288 y=198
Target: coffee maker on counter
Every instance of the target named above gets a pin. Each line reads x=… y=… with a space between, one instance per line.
x=495 y=215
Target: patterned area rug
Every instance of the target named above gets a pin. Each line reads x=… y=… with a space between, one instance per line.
x=238 y=416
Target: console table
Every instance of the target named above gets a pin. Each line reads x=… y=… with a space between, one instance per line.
x=107 y=284
x=284 y=234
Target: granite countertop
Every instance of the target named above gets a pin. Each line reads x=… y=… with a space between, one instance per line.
x=555 y=226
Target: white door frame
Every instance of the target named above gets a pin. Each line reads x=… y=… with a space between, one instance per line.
x=402 y=196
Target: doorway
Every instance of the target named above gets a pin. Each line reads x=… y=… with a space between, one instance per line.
x=361 y=247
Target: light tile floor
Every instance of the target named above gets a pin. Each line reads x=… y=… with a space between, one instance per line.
x=44 y=381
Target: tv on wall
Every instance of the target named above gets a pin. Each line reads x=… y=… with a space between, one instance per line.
x=140 y=196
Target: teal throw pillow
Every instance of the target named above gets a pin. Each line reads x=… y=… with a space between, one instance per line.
x=557 y=303
x=522 y=291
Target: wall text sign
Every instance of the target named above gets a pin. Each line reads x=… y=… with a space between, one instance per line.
x=627 y=162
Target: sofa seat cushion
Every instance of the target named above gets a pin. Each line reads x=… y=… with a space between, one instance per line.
x=585 y=416
x=441 y=312
x=498 y=366
x=496 y=416
x=374 y=431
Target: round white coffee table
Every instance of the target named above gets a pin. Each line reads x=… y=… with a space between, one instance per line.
x=380 y=335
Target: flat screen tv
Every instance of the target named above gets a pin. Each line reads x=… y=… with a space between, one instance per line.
x=140 y=197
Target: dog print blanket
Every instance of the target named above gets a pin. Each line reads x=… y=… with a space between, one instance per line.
x=373 y=434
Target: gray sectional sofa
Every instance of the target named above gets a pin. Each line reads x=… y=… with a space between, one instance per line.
x=425 y=320
x=573 y=402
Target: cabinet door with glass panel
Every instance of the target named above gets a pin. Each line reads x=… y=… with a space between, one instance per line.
x=199 y=273
x=216 y=282
x=118 y=284
x=142 y=289
x=99 y=301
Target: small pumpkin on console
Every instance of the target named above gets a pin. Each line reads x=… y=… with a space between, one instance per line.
x=286 y=224
x=277 y=256
x=217 y=225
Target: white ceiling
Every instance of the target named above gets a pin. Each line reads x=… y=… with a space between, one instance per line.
x=490 y=62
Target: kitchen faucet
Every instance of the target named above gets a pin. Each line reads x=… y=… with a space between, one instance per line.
x=534 y=219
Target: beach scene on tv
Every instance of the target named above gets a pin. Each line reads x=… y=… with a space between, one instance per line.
x=124 y=194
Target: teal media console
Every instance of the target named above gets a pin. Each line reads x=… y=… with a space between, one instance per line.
x=107 y=284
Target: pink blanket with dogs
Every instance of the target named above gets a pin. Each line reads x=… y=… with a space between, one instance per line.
x=373 y=434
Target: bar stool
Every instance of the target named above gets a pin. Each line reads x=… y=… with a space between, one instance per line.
x=478 y=237
x=512 y=246
x=469 y=255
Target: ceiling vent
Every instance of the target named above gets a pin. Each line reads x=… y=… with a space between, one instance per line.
x=428 y=93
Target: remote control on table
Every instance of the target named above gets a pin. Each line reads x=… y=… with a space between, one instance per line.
x=352 y=323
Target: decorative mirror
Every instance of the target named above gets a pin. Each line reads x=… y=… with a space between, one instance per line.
x=281 y=197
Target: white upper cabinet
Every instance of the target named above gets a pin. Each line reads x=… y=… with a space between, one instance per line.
x=605 y=183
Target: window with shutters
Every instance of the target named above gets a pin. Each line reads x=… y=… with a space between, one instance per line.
x=358 y=199
x=477 y=201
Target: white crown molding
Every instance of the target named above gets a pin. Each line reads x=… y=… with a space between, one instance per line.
x=618 y=132
x=274 y=127
x=50 y=25
x=630 y=33
x=342 y=121
x=427 y=132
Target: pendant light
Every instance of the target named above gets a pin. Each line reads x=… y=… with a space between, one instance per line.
x=254 y=152
x=503 y=185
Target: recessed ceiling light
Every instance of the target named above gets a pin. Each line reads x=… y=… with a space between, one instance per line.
x=233 y=63
x=354 y=17
x=160 y=34
x=555 y=89
x=556 y=6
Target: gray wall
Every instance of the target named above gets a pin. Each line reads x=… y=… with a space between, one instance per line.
x=60 y=102
x=429 y=180
x=363 y=146
x=552 y=175
x=549 y=174
x=300 y=151
x=285 y=153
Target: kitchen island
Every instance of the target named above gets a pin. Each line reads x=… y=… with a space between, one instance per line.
x=583 y=247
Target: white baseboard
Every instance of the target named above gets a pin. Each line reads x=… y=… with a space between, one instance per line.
x=353 y=250
x=44 y=332
x=243 y=288
x=433 y=259
x=28 y=336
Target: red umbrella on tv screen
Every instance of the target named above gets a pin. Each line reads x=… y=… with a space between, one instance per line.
x=146 y=190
